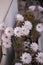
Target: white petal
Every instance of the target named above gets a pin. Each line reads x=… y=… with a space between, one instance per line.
x=5 y=38
x=26 y=58
x=39 y=27
x=40 y=8
x=7 y=44
x=19 y=17
x=9 y=31
x=2 y=26
x=25 y=31
x=32 y=8
x=39 y=57
x=18 y=63
x=34 y=46
x=28 y=25
x=18 y=31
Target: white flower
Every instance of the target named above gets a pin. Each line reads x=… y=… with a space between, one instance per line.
x=25 y=31
x=26 y=49
x=18 y=63
x=5 y=37
x=26 y=44
x=26 y=58
x=18 y=31
x=39 y=27
x=28 y=24
x=34 y=46
x=19 y=17
x=39 y=57
x=7 y=44
x=40 y=8
x=9 y=31
x=32 y=8
x=2 y=26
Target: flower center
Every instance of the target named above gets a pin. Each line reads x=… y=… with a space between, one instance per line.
x=25 y=58
x=6 y=36
x=6 y=42
x=24 y=30
x=17 y=31
x=38 y=26
x=9 y=31
x=33 y=46
x=41 y=57
x=3 y=26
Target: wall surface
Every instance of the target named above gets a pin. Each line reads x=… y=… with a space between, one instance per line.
x=4 y=5
x=10 y=19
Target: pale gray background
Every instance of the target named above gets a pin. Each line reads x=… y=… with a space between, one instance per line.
x=10 y=19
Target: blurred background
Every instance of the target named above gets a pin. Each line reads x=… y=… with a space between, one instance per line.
x=7 y=15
